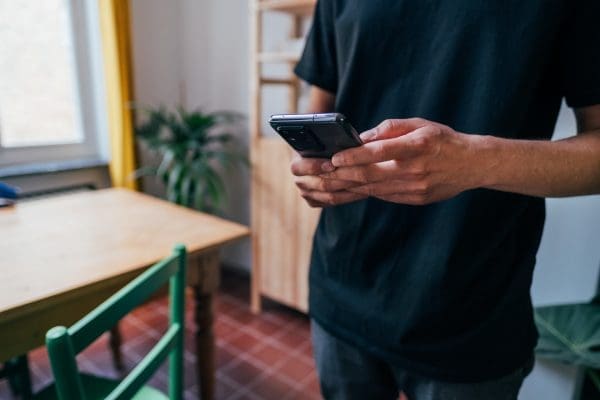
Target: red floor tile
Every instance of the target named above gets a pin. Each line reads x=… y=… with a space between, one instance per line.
x=295 y=369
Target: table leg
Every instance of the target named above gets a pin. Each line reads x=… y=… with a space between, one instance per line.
x=115 y=341
x=203 y=277
x=205 y=344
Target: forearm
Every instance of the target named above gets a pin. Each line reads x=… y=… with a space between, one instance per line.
x=320 y=100
x=567 y=167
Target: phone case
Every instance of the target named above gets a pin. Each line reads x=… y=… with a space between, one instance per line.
x=316 y=135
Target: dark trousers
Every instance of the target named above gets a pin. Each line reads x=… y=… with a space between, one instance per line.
x=348 y=373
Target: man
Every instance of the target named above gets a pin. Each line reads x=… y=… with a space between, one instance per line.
x=423 y=257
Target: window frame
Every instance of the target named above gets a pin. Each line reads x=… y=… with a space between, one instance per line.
x=89 y=94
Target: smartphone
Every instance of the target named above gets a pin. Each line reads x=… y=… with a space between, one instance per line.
x=316 y=135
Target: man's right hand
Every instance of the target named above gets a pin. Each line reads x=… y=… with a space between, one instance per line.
x=317 y=191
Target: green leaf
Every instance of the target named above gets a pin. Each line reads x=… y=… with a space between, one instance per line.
x=165 y=164
x=173 y=182
x=198 y=199
x=187 y=188
x=570 y=333
x=216 y=188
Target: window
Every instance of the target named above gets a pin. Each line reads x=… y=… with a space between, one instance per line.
x=50 y=82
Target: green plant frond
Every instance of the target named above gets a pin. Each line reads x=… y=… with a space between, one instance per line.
x=186 y=189
x=166 y=162
x=594 y=378
x=569 y=333
x=215 y=189
x=193 y=149
x=173 y=183
x=198 y=198
x=229 y=159
x=220 y=185
x=222 y=138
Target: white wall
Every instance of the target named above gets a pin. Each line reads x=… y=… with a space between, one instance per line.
x=197 y=53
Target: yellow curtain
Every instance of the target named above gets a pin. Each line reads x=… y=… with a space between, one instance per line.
x=116 y=45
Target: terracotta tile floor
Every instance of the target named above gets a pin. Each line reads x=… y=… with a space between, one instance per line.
x=258 y=357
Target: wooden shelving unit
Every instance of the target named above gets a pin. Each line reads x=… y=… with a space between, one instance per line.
x=282 y=224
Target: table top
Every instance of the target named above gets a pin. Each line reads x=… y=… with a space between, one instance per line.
x=56 y=246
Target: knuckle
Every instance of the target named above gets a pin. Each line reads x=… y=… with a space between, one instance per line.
x=422 y=188
x=422 y=142
x=387 y=124
x=384 y=126
x=419 y=170
x=379 y=150
x=323 y=185
x=419 y=121
x=362 y=175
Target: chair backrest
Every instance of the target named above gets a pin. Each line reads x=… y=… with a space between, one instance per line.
x=65 y=343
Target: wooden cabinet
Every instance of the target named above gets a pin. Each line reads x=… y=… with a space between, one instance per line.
x=282 y=224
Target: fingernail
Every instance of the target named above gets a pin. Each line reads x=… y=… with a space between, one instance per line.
x=327 y=166
x=367 y=135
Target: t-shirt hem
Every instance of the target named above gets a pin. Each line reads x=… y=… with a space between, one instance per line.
x=415 y=368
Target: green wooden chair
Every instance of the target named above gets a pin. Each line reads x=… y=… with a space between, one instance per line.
x=65 y=343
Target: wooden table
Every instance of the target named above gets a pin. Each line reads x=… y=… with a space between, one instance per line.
x=61 y=256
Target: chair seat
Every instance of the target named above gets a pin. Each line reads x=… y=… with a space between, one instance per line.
x=96 y=387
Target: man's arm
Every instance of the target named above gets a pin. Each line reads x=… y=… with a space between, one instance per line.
x=416 y=161
x=567 y=167
x=316 y=190
x=320 y=100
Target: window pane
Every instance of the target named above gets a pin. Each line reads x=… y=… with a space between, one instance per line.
x=38 y=97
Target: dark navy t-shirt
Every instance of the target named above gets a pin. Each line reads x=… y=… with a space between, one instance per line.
x=443 y=289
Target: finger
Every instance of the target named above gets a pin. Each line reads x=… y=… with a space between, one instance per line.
x=381 y=150
x=311 y=182
x=391 y=128
x=310 y=166
x=409 y=199
x=331 y=198
x=395 y=187
x=366 y=173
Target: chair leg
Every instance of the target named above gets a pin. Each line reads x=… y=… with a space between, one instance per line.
x=115 y=347
x=19 y=379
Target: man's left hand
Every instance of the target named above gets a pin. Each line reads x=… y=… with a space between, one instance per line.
x=411 y=161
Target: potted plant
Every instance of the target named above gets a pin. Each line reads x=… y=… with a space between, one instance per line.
x=195 y=149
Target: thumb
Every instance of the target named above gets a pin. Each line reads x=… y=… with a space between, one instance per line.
x=391 y=128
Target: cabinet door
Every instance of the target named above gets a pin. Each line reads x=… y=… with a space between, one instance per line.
x=283 y=226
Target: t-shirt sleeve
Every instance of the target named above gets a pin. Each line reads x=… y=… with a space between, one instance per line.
x=581 y=55
x=318 y=64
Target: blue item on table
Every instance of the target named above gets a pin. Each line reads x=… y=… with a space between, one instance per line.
x=9 y=192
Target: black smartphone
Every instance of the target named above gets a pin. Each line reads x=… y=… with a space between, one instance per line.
x=316 y=135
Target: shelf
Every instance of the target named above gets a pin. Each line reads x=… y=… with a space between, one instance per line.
x=296 y=7
x=286 y=57
x=278 y=81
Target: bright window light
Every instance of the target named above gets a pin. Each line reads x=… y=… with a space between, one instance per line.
x=39 y=102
